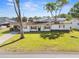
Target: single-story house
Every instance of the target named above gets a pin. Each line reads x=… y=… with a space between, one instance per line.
x=4 y=25
x=48 y=26
x=7 y=23
x=44 y=26
x=75 y=23
x=4 y=22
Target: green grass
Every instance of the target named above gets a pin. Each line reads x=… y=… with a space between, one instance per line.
x=4 y=31
x=35 y=43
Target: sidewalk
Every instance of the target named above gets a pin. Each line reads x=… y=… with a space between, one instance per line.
x=6 y=37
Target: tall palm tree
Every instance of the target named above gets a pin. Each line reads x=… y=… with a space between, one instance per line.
x=18 y=13
x=50 y=7
x=61 y=3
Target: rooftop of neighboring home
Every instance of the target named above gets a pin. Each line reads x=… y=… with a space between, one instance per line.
x=5 y=20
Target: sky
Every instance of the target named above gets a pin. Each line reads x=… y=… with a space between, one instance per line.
x=30 y=8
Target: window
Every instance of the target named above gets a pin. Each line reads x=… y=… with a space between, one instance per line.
x=60 y=26
x=78 y=23
x=47 y=27
x=25 y=27
x=63 y=26
x=33 y=27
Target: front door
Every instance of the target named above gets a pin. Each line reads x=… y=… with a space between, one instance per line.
x=39 y=29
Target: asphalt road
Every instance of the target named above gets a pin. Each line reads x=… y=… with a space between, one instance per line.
x=56 y=55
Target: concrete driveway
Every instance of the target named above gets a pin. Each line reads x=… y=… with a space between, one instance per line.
x=6 y=37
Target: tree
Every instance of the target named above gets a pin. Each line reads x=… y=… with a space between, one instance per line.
x=35 y=17
x=62 y=15
x=74 y=12
x=48 y=17
x=24 y=19
x=18 y=13
x=61 y=3
x=50 y=7
x=68 y=17
x=55 y=6
x=31 y=19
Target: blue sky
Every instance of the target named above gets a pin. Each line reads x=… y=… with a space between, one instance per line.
x=30 y=8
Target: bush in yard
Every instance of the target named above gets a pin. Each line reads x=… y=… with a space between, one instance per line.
x=44 y=35
x=16 y=28
x=54 y=34
x=68 y=17
x=75 y=29
x=11 y=29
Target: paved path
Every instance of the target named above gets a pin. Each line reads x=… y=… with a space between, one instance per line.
x=39 y=55
x=6 y=37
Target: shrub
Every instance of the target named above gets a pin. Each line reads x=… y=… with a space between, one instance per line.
x=11 y=29
x=68 y=17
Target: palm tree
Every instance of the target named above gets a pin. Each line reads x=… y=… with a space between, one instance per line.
x=61 y=3
x=18 y=13
x=50 y=7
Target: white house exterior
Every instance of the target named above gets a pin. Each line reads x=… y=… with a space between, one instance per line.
x=48 y=26
x=29 y=27
x=66 y=26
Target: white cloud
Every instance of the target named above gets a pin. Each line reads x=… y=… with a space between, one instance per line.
x=30 y=6
x=10 y=4
x=9 y=0
x=26 y=5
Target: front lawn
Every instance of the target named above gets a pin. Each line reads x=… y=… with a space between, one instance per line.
x=34 y=43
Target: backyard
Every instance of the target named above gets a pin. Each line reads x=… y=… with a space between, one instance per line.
x=35 y=43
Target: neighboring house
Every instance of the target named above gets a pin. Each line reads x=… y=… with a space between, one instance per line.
x=5 y=22
x=4 y=25
x=75 y=23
